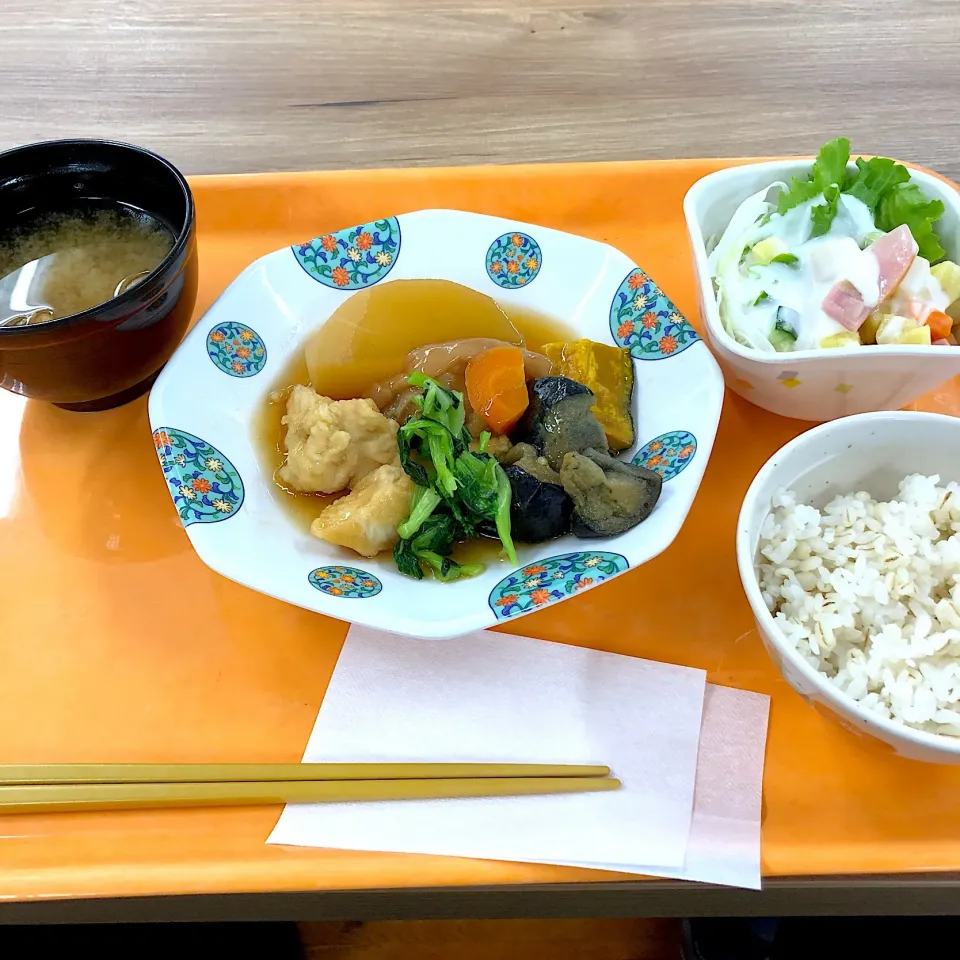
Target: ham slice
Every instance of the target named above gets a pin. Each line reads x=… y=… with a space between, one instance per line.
x=895 y=252
x=845 y=305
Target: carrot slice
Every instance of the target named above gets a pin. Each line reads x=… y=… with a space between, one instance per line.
x=940 y=324
x=497 y=387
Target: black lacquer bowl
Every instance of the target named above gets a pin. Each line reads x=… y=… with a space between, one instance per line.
x=111 y=353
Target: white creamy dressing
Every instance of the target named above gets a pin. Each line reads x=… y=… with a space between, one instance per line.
x=801 y=287
x=919 y=286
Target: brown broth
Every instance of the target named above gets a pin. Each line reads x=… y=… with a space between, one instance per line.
x=368 y=339
x=268 y=437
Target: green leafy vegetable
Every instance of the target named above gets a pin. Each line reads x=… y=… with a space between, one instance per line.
x=456 y=490
x=829 y=170
x=483 y=488
x=906 y=204
x=431 y=545
x=465 y=517
x=799 y=191
x=442 y=406
x=438 y=534
x=441 y=445
x=874 y=178
x=788 y=258
x=502 y=516
x=830 y=167
x=477 y=479
x=763 y=295
x=822 y=214
x=882 y=184
x=406 y=560
x=437 y=403
x=416 y=439
x=445 y=569
x=409 y=445
x=425 y=501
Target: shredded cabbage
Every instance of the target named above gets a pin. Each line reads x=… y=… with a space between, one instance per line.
x=746 y=227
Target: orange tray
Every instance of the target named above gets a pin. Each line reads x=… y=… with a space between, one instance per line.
x=118 y=644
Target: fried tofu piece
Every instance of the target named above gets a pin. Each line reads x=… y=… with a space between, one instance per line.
x=333 y=444
x=366 y=519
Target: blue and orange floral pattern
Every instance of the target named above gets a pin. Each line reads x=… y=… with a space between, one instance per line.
x=555 y=578
x=236 y=349
x=667 y=454
x=644 y=321
x=204 y=484
x=514 y=260
x=347 y=582
x=352 y=259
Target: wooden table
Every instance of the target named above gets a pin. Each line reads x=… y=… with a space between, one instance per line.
x=251 y=85
x=255 y=85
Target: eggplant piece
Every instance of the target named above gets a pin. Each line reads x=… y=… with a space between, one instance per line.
x=544 y=393
x=609 y=496
x=517 y=452
x=540 y=508
x=607 y=371
x=560 y=419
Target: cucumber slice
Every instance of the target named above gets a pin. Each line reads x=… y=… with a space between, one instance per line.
x=786 y=321
x=781 y=340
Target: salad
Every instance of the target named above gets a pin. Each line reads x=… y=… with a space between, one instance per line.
x=839 y=259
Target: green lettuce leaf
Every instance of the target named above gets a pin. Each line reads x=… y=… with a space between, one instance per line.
x=823 y=213
x=874 y=178
x=799 y=191
x=881 y=183
x=830 y=167
x=906 y=204
x=829 y=170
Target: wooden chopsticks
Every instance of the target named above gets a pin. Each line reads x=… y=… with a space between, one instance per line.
x=46 y=788
x=49 y=773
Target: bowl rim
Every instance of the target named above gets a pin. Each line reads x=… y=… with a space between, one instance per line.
x=711 y=313
x=751 y=586
x=131 y=295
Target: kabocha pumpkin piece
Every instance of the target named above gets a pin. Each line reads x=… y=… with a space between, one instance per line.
x=608 y=372
x=560 y=419
x=609 y=497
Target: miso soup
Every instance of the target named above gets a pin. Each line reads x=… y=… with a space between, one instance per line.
x=54 y=265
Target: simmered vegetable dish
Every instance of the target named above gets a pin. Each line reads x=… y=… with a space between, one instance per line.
x=475 y=438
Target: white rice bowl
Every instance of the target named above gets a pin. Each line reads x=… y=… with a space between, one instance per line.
x=868 y=593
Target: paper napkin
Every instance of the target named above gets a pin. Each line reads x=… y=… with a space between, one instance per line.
x=724 y=845
x=490 y=697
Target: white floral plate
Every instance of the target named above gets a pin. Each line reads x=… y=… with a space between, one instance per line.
x=203 y=407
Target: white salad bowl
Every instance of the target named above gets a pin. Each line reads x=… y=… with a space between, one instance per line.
x=871 y=452
x=811 y=384
x=203 y=408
